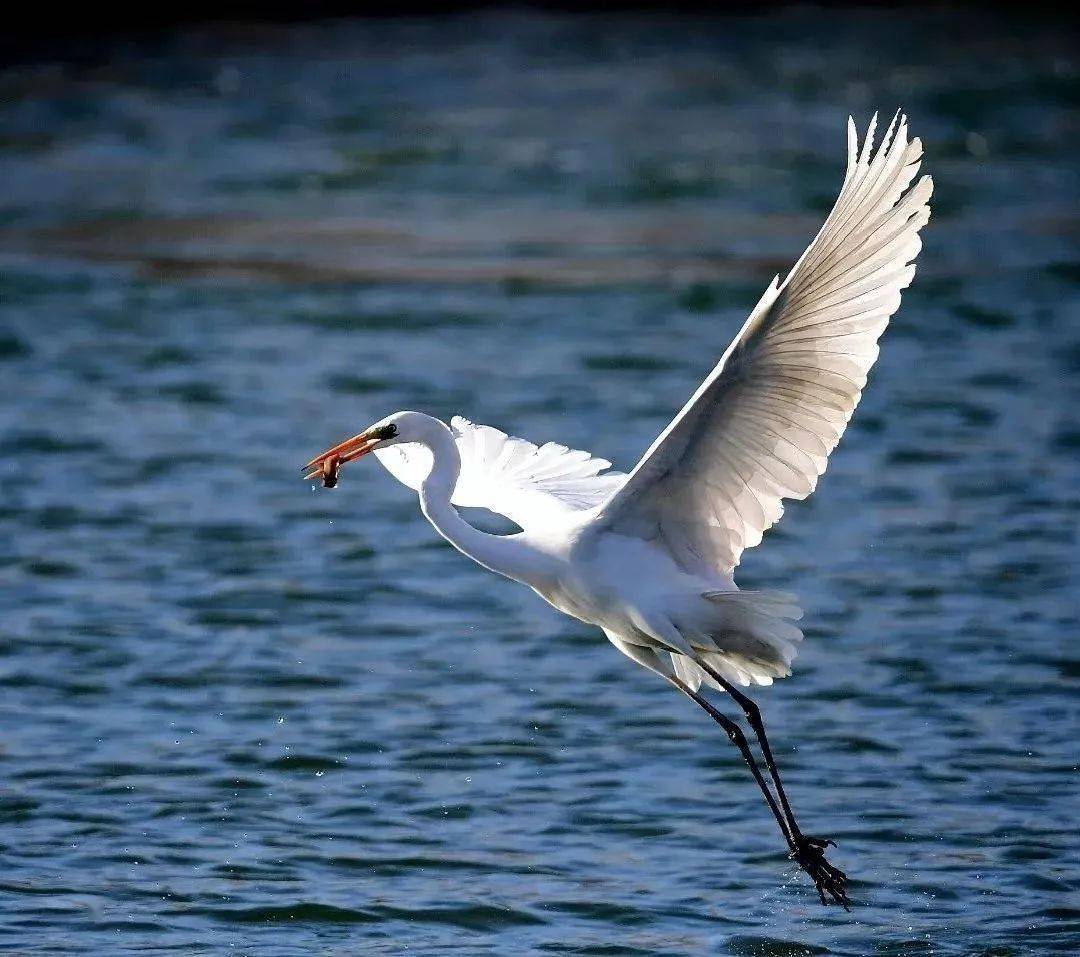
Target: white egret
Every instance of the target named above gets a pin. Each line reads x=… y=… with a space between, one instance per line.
x=649 y=556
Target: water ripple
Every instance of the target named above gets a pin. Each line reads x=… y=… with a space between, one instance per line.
x=242 y=715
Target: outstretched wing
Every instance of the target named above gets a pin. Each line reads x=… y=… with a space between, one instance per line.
x=762 y=425
x=528 y=484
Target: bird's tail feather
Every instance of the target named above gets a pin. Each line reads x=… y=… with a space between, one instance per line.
x=750 y=638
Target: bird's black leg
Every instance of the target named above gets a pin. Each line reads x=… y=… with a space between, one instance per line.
x=753 y=715
x=808 y=852
x=735 y=734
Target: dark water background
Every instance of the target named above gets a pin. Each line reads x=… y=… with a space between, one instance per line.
x=238 y=715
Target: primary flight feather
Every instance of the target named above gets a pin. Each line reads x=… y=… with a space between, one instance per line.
x=649 y=557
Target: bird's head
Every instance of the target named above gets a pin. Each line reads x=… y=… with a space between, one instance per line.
x=396 y=429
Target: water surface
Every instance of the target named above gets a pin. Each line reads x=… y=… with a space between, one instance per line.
x=241 y=715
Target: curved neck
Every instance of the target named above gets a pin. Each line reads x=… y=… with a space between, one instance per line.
x=504 y=554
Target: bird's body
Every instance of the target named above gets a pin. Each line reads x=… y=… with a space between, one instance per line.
x=633 y=589
x=649 y=556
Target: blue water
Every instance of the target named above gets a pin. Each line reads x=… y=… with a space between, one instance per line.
x=241 y=715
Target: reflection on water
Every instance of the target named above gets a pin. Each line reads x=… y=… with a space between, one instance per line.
x=237 y=713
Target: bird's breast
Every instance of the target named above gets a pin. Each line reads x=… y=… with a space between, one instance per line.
x=582 y=593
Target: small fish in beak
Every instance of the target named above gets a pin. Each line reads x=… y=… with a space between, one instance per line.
x=328 y=465
x=330 y=468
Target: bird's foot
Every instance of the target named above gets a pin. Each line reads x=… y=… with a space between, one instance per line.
x=831 y=882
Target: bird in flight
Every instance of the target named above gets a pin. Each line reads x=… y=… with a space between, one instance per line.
x=649 y=556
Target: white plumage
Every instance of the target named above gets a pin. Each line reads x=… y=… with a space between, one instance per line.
x=649 y=557
x=526 y=483
x=761 y=427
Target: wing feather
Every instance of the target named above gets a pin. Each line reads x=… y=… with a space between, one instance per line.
x=761 y=427
x=529 y=484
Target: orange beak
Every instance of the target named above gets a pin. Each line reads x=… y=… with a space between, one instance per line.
x=326 y=466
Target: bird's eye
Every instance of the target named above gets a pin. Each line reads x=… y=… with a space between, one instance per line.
x=384 y=433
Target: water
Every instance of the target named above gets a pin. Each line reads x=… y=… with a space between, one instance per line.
x=239 y=715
